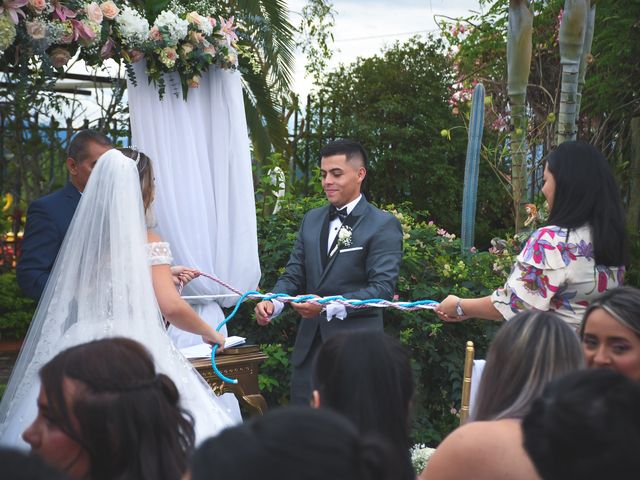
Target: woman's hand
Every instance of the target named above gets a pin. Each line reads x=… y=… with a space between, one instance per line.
x=184 y=275
x=447 y=311
x=214 y=338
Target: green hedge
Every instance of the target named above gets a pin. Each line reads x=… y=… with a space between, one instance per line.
x=16 y=310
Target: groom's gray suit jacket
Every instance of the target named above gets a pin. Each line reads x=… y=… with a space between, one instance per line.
x=366 y=269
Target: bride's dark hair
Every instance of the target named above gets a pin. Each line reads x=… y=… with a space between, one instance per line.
x=145 y=171
x=127 y=416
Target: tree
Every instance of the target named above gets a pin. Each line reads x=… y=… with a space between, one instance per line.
x=396 y=104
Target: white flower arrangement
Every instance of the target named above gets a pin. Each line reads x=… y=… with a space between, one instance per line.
x=134 y=29
x=175 y=27
x=344 y=236
x=420 y=455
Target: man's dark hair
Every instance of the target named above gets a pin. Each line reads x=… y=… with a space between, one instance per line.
x=80 y=143
x=350 y=148
x=586 y=425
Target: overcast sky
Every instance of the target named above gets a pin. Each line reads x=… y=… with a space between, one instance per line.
x=364 y=27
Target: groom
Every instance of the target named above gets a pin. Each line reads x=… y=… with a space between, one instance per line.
x=48 y=218
x=347 y=248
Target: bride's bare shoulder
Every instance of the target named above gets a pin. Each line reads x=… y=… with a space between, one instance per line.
x=153 y=237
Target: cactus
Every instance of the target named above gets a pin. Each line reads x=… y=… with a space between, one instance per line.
x=572 y=42
x=586 y=53
x=519 y=32
x=472 y=166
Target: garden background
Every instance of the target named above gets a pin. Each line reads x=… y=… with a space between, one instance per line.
x=409 y=105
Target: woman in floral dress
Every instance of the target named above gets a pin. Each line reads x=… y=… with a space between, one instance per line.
x=569 y=262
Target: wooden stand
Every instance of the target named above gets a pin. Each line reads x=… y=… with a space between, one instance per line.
x=241 y=363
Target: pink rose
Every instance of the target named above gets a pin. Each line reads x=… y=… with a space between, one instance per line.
x=36 y=30
x=196 y=37
x=212 y=21
x=109 y=9
x=38 y=5
x=136 y=56
x=94 y=13
x=59 y=57
x=210 y=50
x=154 y=34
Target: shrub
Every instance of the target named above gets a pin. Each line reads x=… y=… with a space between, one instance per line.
x=16 y=310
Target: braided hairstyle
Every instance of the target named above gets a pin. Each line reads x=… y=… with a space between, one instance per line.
x=125 y=415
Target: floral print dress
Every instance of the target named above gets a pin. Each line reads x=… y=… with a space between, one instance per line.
x=556 y=271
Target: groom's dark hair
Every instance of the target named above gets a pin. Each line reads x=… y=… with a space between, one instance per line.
x=80 y=143
x=352 y=149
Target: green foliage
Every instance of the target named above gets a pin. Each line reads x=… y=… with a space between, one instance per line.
x=396 y=105
x=16 y=310
x=275 y=375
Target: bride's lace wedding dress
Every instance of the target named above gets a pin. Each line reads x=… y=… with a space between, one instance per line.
x=101 y=286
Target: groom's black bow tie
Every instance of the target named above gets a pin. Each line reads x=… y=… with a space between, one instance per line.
x=335 y=213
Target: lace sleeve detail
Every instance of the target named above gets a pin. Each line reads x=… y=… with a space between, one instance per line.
x=159 y=253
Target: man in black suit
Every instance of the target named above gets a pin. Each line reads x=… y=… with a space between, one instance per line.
x=48 y=217
x=347 y=248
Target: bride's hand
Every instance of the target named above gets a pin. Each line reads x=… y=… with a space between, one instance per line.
x=214 y=338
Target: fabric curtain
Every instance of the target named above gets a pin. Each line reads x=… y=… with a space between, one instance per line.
x=204 y=203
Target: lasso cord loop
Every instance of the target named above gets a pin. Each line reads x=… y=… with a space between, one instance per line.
x=285 y=298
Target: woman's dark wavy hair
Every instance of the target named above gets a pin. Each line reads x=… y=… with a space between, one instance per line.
x=367 y=377
x=130 y=423
x=587 y=193
x=585 y=426
x=295 y=443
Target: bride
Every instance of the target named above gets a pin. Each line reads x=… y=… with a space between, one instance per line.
x=101 y=286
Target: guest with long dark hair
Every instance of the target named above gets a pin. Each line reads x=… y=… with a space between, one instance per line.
x=104 y=413
x=294 y=443
x=585 y=426
x=366 y=376
x=527 y=352
x=580 y=253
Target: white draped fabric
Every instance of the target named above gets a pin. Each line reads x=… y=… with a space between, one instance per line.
x=204 y=203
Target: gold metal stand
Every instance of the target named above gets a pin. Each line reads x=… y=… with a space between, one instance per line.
x=237 y=362
x=466 y=382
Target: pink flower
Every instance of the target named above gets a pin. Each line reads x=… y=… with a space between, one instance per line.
x=136 y=55
x=109 y=9
x=107 y=49
x=94 y=13
x=12 y=8
x=38 y=5
x=227 y=28
x=194 y=82
x=473 y=250
x=430 y=222
x=62 y=12
x=60 y=57
x=154 y=34
x=212 y=21
x=36 y=30
x=81 y=31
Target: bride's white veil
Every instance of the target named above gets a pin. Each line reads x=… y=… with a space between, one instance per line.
x=100 y=286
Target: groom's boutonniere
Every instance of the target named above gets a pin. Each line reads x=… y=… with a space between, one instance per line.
x=344 y=236
x=344 y=239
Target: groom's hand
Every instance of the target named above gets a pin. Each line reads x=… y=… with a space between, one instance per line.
x=263 y=311
x=307 y=310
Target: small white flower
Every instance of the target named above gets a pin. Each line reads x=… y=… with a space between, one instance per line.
x=420 y=457
x=174 y=25
x=133 y=27
x=344 y=236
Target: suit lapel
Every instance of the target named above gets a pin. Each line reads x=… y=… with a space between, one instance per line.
x=324 y=238
x=352 y=221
